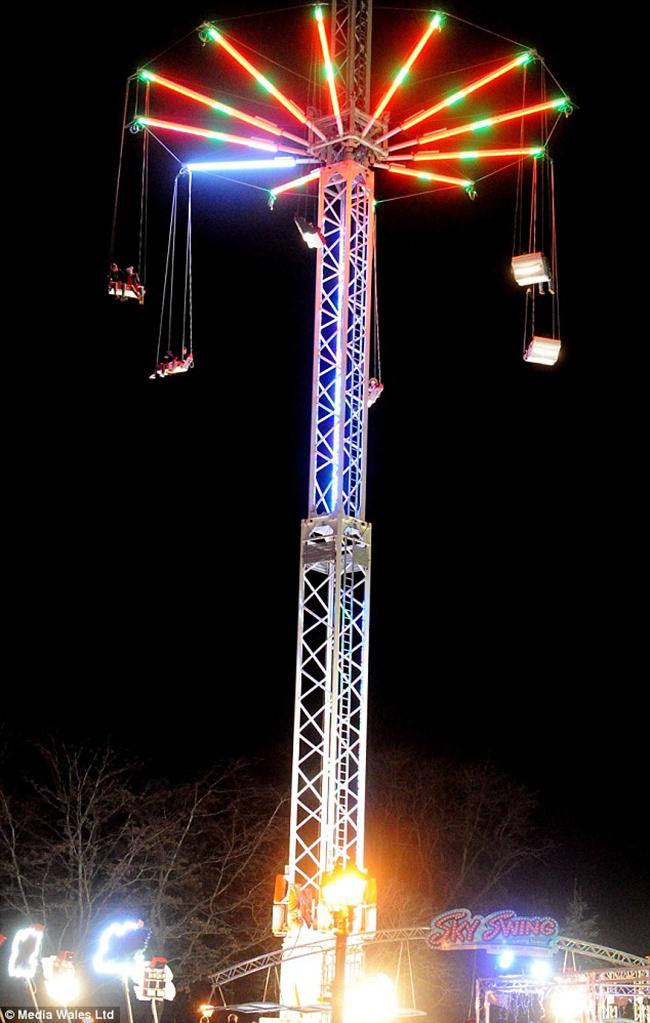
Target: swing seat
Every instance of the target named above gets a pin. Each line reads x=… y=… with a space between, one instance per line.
x=170 y=369
x=180 y=366
x=531 y=268
x=544 y=351
x=311 y=235
x=375 y=389
x=127 y=293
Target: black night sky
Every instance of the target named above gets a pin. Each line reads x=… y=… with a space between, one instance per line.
x=155 y=554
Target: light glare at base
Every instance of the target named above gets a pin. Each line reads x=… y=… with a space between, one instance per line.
x=506 y=959
x=540 y=969
x=372 y=1000
x=64 y=989
x=568 y=1003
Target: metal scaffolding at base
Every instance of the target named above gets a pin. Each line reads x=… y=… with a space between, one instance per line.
x=591 y=996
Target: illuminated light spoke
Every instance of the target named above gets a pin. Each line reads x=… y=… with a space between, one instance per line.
x=455 y=97
x=425 y=175
x=435 y=23
x=280 y=162
x=205 y=133
x=476 y=154
x=329 y=70
x=222 y=108
x=485 y=122
x=287 y=103
x=296 y=183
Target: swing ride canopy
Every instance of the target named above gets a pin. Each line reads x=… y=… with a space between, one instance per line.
x=446 y=133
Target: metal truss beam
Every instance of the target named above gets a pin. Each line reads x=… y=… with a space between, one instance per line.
x=350 y=46
x=337 y=483
x=327 y=804
x=271 y=959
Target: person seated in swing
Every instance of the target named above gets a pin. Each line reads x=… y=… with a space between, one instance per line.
x=132 y=281
x=171 y=364
x=115 y=279
x=375 y=387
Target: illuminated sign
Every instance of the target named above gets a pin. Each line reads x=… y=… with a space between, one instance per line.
x=118 y=945
x=153 y=981
x=25 y=948
x=462 y=929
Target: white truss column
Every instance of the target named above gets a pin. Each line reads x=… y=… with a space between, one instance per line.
x=330 y=716
x=327 y=810
x=343 y=291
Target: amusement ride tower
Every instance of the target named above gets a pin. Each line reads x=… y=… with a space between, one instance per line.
x=329 y=745
x=343 y=150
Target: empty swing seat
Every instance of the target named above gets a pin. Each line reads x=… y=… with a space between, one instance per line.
x=543 y=350
x=531 y=268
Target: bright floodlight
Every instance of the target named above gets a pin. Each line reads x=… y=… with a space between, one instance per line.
x=540 y=968
x=506 y=959
x=531 y=268
x=568 y=1003
x=372 y=1000
x=61 y=981
x=118 y=945
x=543 y=350
x=343 y=887
x=25 y=948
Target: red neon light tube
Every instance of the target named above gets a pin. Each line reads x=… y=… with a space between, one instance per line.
x=475 y=154
x=296 y=183
x=218 y=136
x=425 y=175
x=523 y=58
x=329 y=70
x=287 y=103
x=199 y=97
x=435 y=23
x=487 y=122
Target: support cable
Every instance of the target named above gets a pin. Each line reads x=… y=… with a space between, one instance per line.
x=453 y=17
x=173 y=268
x=276 y=10
x=554 y=264
x=187 y=297
x=172 y=224
x=119 y=170
x=144 y=188
x=161 y=143
x=377 y=345
x=408 y=954
x=460 y=70
x=519 y=190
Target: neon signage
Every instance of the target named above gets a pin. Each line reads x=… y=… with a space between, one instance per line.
x=25 y=948
x=462 y=929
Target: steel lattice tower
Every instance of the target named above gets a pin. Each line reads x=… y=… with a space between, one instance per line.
x=342 y=151
x=329 y=746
